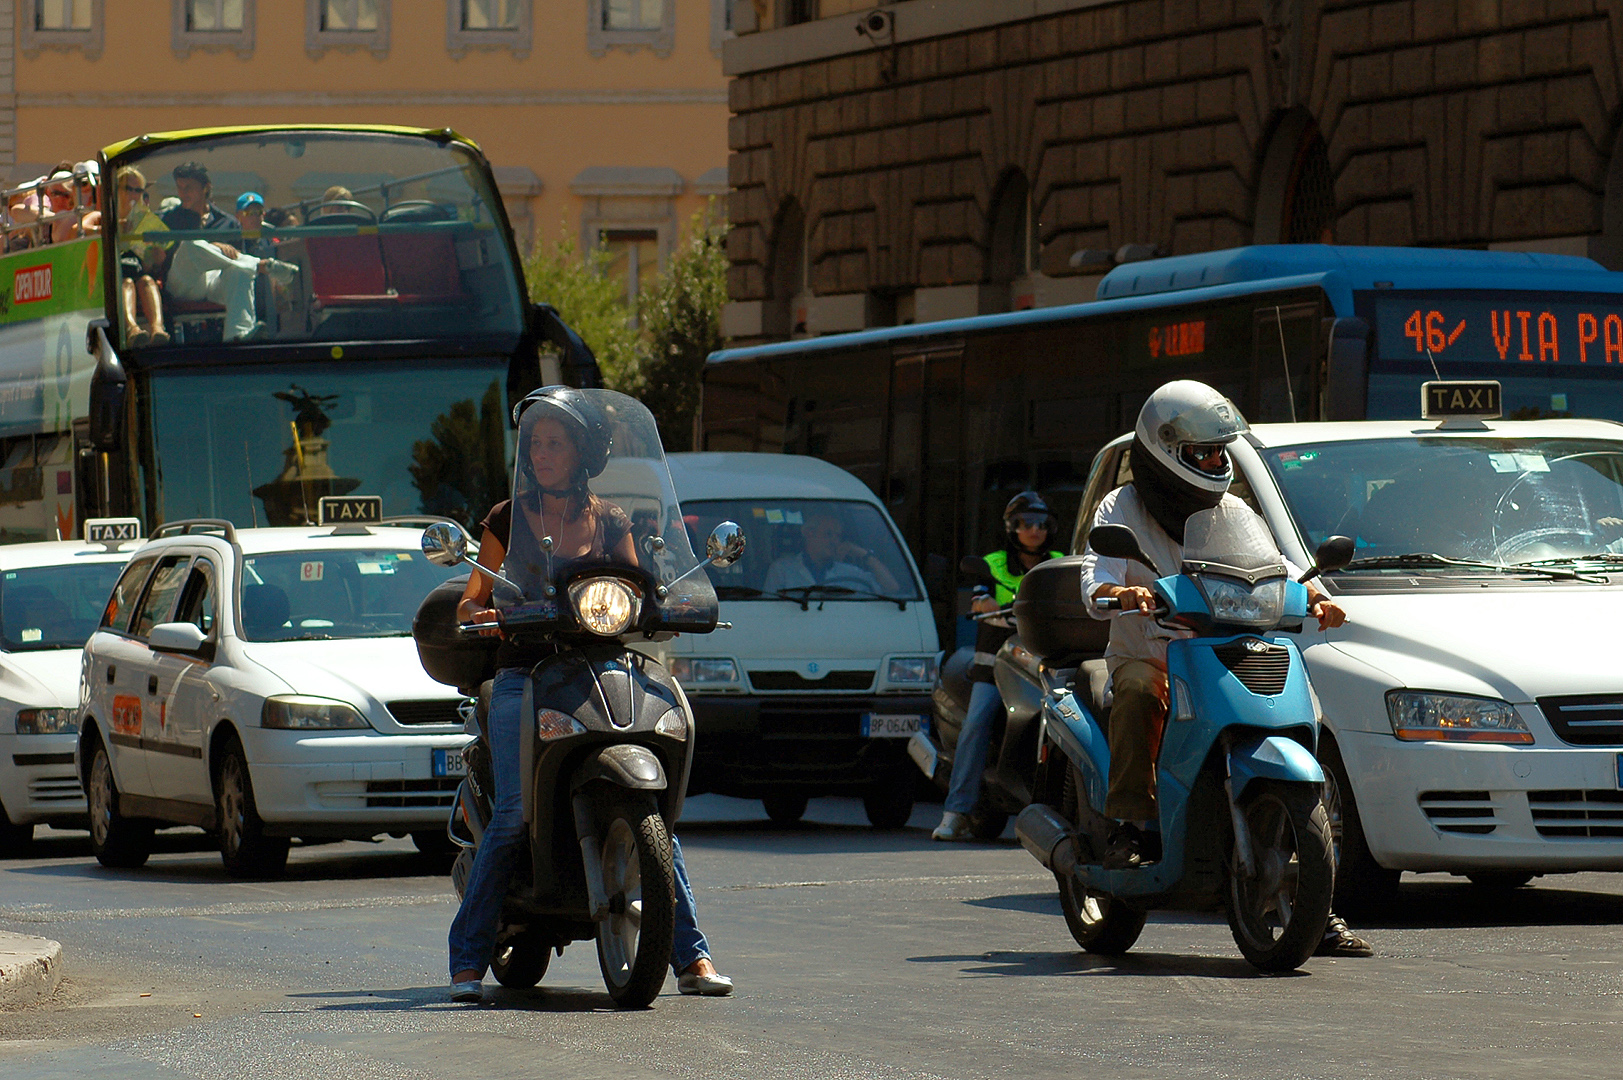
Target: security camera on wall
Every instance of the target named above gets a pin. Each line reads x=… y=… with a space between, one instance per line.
x=878 y=26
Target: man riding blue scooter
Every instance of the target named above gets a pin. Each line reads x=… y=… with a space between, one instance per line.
x=1180 y=466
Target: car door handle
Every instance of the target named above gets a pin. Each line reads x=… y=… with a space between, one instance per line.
x=112 y=669
x=152 y=684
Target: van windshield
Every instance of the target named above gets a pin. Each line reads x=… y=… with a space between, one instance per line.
x=807 y=549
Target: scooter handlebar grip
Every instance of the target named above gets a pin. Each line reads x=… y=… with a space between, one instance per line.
x=1108 y=603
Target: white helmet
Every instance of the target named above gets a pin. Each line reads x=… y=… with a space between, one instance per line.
x=1184 y=426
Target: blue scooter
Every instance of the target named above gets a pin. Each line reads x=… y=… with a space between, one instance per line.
x=1237 y=782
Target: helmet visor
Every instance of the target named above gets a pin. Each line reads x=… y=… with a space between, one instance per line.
x=1029 y=521
x=1219 y=422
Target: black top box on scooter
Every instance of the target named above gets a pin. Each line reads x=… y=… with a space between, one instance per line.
x=1051 y=613
x=460 y=660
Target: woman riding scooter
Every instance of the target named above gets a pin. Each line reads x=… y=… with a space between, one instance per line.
x=564 y=441
x=1180 y=466
x=1028 y=525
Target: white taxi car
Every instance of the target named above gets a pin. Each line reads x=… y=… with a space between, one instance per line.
x=1472 y=704
x=51 y=597
x=263 y=684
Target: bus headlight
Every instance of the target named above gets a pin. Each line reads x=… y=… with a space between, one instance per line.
x=47 y=721
x=297 y=712
x=604 y=605
x=1419 y=716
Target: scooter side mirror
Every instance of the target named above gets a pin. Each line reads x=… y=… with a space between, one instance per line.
x=444 y=544
x=1333 y=554
x=725 y=545
x=1119 y=542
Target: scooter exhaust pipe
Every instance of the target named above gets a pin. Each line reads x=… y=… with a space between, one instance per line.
x=1048 y=836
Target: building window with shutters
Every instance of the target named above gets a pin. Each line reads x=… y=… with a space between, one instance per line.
x=630 y=24
x=60 y=24
x=212 y=24
x=346 y=24
x=488 y=24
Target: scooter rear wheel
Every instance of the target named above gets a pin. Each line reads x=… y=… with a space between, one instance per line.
x=520 y=959
x=1278 y=916
x=639 y=873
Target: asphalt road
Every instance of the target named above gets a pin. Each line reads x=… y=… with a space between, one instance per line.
x=857 y=954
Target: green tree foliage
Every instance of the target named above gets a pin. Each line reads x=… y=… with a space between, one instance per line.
x=682 y=320
x=591 y=302
x=460 y=470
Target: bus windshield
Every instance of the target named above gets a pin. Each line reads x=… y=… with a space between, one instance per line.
x=260 y=445
x=313 y=236
x=1554 y=353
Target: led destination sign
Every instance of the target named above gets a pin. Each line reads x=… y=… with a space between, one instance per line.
x=1515 y=328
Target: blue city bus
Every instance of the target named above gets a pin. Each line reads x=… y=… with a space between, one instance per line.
x=947 y=420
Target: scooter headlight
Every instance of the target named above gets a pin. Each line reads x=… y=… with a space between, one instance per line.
x=1239 y=604
x=605 y=605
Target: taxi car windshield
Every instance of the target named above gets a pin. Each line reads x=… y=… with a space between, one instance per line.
x=337 y=593
x=53 y=607
x=1497 y=501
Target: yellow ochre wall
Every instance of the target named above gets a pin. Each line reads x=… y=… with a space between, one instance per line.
x=557 y=111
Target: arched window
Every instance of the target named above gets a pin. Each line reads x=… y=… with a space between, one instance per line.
x=1296 y=196
x=783 y=314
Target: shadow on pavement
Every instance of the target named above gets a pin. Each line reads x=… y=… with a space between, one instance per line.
x=1045 y=964
x=1455 y=903
x=206 y=868
x=570 y=999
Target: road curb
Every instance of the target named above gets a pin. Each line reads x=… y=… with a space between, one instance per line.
x=30 y=968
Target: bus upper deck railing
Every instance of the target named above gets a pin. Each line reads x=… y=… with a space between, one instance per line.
x=34 y=230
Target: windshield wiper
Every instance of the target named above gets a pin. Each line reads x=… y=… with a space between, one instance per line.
x=740 y=592
x=1417 y=560
x=803 y=593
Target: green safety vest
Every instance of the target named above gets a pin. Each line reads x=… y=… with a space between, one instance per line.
x=1008 y=583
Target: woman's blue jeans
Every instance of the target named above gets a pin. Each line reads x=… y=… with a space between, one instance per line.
x=473 y=931
x=969 y=760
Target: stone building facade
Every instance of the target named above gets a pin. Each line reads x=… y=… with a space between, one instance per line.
x=935 y=158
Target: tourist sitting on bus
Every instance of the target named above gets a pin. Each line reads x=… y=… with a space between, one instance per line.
x=86 y=182
x=826 y=558
x=213 y=270
x=23 y=211
x=335 y=194
x=251 y=216
x=137 y=259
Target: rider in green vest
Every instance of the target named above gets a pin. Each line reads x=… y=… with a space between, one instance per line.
x=1029 y=526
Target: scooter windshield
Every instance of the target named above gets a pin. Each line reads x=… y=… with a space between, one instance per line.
x=592 y=496
x=1231 y=555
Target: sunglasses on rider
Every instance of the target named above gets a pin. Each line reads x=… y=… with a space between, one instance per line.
x=1207 y=457
x=1031 y=521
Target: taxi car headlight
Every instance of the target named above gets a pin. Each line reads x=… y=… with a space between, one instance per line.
x=297 y=712
x=47 y=721
x=1262 y=604
x=917 y=670
x=704 y=670
x=605 y=605
x=1421 y=716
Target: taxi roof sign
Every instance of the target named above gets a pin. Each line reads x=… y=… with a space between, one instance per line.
x=1461 y=400
x=350 y=510
x=112 y=532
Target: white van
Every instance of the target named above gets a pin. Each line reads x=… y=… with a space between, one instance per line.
x=827 y=670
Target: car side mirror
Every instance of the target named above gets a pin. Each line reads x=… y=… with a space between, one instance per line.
x=1333 y=554
x=180 y=637
x=1119 y=542
x=725 y=545
x=444 y=544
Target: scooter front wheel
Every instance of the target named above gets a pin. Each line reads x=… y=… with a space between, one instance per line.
x=639 y=875
x=1279 y=913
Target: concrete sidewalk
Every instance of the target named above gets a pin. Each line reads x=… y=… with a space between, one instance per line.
x=30 y=968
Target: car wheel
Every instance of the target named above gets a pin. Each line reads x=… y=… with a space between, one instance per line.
x=1362 y=884
x=117 y=841
x=889 y=803
x=785 y=809
x=16 y=841
x=244 y=848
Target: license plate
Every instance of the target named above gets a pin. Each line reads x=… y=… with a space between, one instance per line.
x=449 y=763
x=891 y=725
